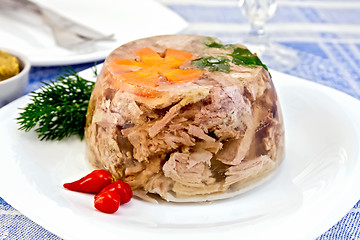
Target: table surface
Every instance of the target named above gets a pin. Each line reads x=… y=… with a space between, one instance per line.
x=324 y=33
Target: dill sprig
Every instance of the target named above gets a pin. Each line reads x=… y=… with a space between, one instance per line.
x=59 y=109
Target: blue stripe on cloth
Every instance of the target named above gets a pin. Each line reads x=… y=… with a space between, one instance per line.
x=354 y=54
x=4 y=205
x=193 y=13
x=14 y=225
x=340 y=16
x=289 y=14
x=322 y=71
x=307 y=47
x=325 y=70
x=22 y=228
x=310 y=14
x=346 y=229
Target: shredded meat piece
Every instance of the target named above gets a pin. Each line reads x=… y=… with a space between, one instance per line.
x=199 y=156
x=160 y=124
x=152 y=167
x=131 y=170
x=197 y=174
x=246 y=169
x=192 y=97
x=199 y=133
x=225 y=132
x=158 y=184
x=234 y=151
x=144 y=146
x=228 y=107
x=213 y=147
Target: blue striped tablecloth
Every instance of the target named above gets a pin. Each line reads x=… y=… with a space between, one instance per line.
x=325 y=34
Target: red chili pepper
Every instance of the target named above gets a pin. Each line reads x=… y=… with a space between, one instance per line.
x=94 y=182
x=121 y=188
x=107 y=202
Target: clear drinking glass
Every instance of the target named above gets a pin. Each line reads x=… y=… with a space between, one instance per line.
x=274 y=55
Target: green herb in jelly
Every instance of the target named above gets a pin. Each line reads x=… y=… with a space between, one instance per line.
x=215 y=63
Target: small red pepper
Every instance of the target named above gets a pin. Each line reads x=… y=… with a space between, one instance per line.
x=121 y=188
x=107 y=202
x=94 y=182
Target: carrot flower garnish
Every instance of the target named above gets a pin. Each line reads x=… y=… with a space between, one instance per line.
x=142 y=75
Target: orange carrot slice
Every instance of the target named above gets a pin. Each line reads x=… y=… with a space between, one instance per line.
x=119 y=65
x=142 y=76
x=183 y=75
x=148 y=55
x=177 y=57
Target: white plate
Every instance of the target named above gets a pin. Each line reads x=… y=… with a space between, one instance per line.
x=128 y=20
x=314 y=188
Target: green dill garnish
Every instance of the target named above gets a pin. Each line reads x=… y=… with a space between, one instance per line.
x=59 y=109
x=243 y=56
x=215 y=63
